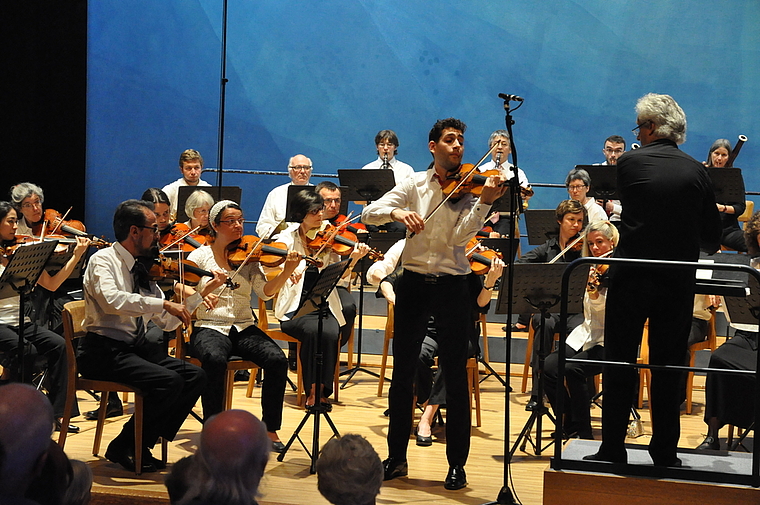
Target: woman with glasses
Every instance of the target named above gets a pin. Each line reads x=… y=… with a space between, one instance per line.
x=197 y=208
x=578 y=183
x=225 y=326
x=308 y=211
x=732 y=236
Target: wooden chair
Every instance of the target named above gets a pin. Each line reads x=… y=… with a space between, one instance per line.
x=711 y=344
x=73 y=318
x=742 y=218
x=473 y=381
x=234 y=363
x=386 y=344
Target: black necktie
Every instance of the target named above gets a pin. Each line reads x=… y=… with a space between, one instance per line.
x=139 y=280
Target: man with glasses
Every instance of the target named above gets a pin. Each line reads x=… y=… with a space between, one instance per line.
x=191 y=166
x=658 y=184
x=614 y=147
x=120 y=299
x=272 y=218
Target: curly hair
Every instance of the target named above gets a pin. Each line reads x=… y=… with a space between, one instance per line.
x=751 y=231
x=667 y=116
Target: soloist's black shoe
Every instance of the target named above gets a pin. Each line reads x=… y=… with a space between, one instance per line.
x=393 y=468
x=456 y=478
x=600 y=456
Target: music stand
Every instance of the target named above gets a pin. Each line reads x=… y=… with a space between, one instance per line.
x=366 y=185
x=538 y=286
x=603 y=181
x=218 y=193
x=19 y=278
x=728 y=184
x=541 y=225
x=316 y=299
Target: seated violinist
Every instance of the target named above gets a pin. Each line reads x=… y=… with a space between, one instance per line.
x=225 y=326
x=308 y=208
x=161 y=207
x=38 y=339
x=197 y=208
x=584 y=342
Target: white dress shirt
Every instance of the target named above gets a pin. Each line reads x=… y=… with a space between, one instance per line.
x=273 y=213
x=439 y=249
x=400 y=169
x=595 y=211
x=506 y=168
x=111 y=308
x=172 y=191
x=591 y=332
x=379 y=270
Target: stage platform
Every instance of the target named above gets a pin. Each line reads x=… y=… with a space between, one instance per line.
x=638 y=484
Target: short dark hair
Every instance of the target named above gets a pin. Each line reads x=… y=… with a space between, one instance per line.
x=305 y=202
x=5 y=208
x=328 y=185
x=129 y=213
x=155 y=195
x=751 y=231
x=571 y=207
x=349 y=471
x=615 y=139
x=442 y=124
x=387 y=135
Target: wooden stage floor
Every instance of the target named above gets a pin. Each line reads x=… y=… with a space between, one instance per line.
x=359 y=410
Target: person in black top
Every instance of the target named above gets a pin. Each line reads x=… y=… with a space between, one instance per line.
x=732 y=236
x=655 y=183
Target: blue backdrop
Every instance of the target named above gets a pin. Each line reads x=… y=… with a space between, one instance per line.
x=321 y=78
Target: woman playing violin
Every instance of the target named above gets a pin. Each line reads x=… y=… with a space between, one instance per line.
x=28 y=199
x=197 y=208
x=43 y=341
x=308 y=208
x=161 y=207
x=584 y=342
x=225 y=324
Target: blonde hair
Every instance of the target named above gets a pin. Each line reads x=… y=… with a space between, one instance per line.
x=605 y=228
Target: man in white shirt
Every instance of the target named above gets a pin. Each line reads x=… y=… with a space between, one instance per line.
x=190 y=165
x=435 y=277
x=272 y=218
x=500 y=138
x=614 y=147
x=119 y=301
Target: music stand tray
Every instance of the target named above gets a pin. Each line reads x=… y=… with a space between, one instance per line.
x=541 y=225
x=366 y=185
x=728 y=184
x=603 y=181
x=233 y=193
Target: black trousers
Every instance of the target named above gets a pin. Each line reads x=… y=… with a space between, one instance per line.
x=667 y=299
x=306 y=329
x=545 y=341
x=447 y=300
x=39 y=341
x=171 y=386
x=214 y=349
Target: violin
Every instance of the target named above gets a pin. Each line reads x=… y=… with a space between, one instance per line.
x=466 y=180
x=185 y=271
x=480 y=256
x=340 y=240
x=181 y=236
x=340 y=219
x=19 y=240
x=597 y=278
x=248 y=250
x=61 y=229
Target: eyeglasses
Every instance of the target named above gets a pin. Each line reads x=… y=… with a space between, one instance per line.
x=576 y=187
x=303 y=168
x=639 y=127
x=232 y=222
x=29 y=205
x=329 y=201
x=152 y=228
x=315 y=212
x=613 y=151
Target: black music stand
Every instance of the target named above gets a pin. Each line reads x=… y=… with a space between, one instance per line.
x=19 y=278
x=728 y=184
x=541 y=225
x=603 y=181
x=218 y=193
x=366 y=185
x=293 y=189
x=538 y=286
x=316 y=299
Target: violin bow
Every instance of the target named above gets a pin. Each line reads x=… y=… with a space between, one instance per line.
x=179 y=239
x=563 y=251
x=459 y=185
x=60 y=221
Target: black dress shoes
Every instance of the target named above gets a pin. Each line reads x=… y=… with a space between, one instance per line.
x=111 y=411
x=148 y=458
x=393 y=468
x=278 y=447
x=609 y=458
x=710 y=443
x=72 y=428
x=423 y=441
x=124 y=455
x=532 y=404
x=456 y=478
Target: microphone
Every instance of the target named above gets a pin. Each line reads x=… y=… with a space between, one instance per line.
x=498 y=160
x=634 y=146
x=514 y=98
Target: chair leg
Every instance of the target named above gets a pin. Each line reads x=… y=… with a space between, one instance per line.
x=689 y=385
x=229 y=382
x=101 y=422
x=251 y=383
x=383 y=366
x=528 y=358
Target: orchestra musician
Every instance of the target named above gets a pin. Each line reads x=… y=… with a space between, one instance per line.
x=191 y=166
x=38 y=339
x=566 y=247
x=308 y=208
x=272 y=218
x=500 y=138
x=224 y=324
x=578 y=183
x=119 y=299
x=732 y=236
x=435 y=276
x=197 y=208
x=161 y=208
x=614 y=147
x=586 y=341
x=654 y=181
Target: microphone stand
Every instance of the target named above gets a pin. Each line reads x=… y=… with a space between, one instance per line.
x=505 y=494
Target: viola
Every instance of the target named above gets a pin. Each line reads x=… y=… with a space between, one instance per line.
x=480 y=256
x=181 y=236
x=597 y=278
x=185 y=271
x=340 y=219
x=340 y=240
x=61 y=229
x=248 y=249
